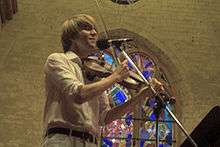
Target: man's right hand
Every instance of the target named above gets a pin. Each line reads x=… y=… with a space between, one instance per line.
x=148 y=92
x=121 y=72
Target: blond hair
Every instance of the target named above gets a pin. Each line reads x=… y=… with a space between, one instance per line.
x=72 y=26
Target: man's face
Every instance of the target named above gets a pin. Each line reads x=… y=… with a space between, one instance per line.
x=86 y=40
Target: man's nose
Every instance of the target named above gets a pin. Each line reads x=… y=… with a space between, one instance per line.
x=93 y=32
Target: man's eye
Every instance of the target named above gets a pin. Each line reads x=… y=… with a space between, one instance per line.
x=86 y=27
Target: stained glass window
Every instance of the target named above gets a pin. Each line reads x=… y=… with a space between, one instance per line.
x=120 y=133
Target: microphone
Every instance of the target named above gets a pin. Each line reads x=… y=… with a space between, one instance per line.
x=119 y=40
x=103 y=44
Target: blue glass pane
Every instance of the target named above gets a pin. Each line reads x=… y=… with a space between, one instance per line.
x=108 y=58
x=151 y=103
x=147 y=74
x=106 y=142
x=118 y=52
x=169 y=136
x=152 y=117
x=128 y=119
x=128 y=140
x=144 y=134
x=129 y=65
x=120 y=97
x=147 y=63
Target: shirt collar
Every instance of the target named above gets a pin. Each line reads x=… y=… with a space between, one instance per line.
x=73 y=57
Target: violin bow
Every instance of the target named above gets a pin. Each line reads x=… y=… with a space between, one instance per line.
x=107 y=34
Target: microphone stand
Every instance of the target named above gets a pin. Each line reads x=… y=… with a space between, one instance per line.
x=161 y=104
x=157 y=110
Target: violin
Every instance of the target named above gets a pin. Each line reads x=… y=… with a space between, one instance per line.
x=95 y=68
x=99 y=68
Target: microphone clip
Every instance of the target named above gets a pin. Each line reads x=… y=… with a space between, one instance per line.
x=103 y=44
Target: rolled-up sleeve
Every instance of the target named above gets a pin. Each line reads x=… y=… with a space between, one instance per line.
x=104 y=105
x=64 y=77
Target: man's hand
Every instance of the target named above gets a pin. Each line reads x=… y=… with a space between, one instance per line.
x=160 y=91
x=121 y=72
x=156 y=85
x=148 y=92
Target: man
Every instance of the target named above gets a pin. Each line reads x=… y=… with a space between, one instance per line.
x=74 y=108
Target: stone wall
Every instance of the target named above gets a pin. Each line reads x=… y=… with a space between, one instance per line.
x=187 y=32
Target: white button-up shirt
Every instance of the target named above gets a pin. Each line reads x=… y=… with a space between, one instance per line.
x=63 y=79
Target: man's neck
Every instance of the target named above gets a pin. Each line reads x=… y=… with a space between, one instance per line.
x=80 y=54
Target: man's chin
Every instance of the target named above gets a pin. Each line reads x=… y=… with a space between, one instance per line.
x=93 y=47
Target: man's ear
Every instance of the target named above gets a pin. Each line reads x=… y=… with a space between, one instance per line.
x=74 y=44
x=73 y=41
